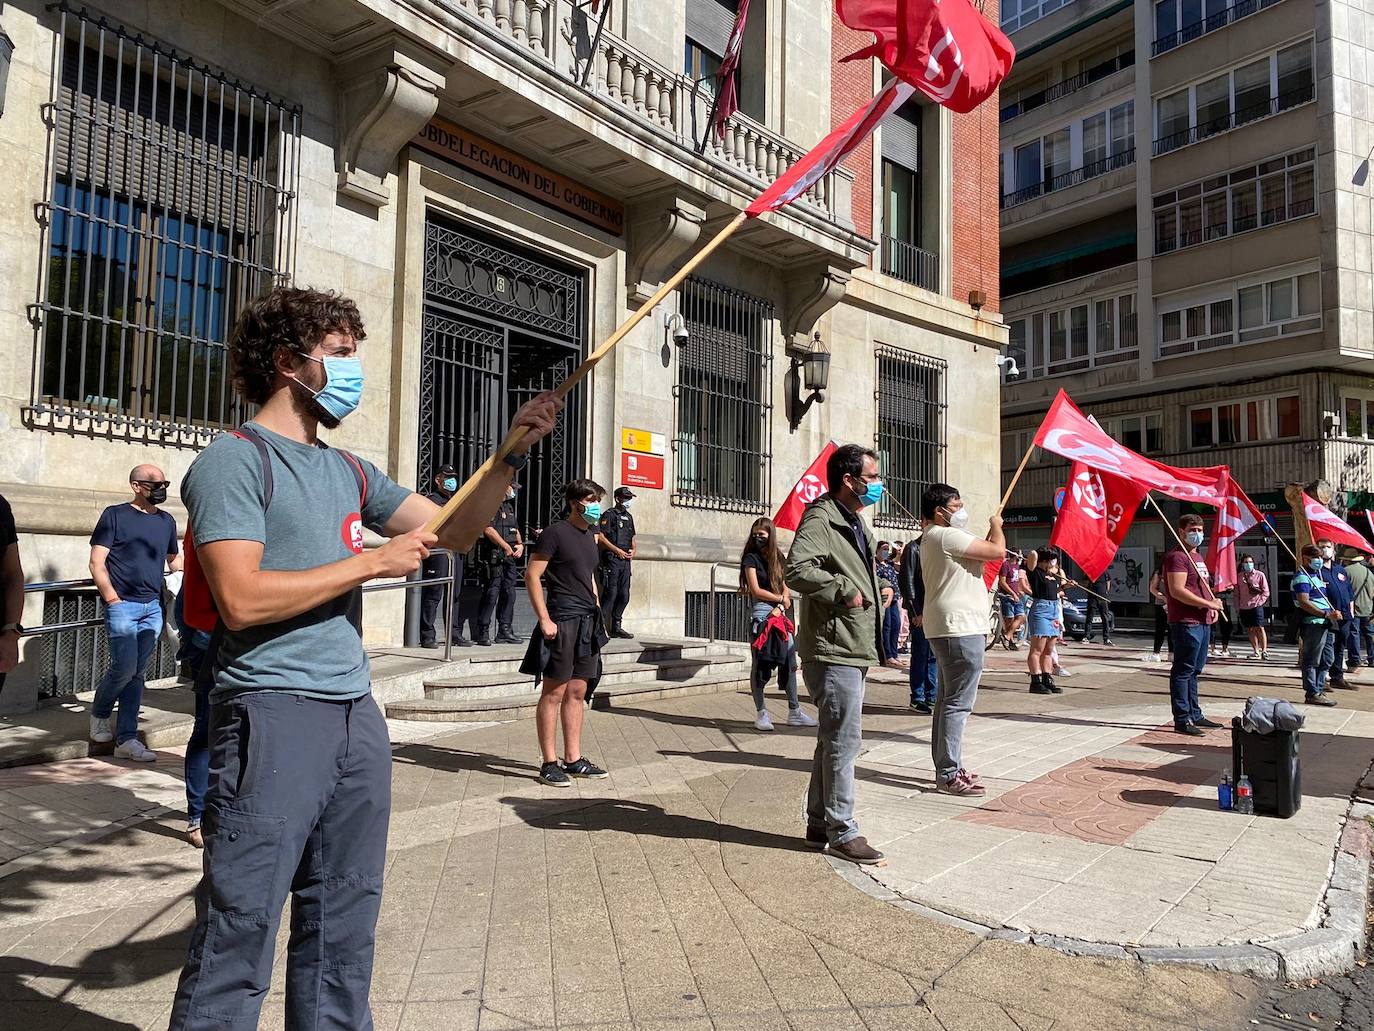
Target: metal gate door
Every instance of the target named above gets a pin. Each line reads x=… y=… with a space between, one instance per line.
x=501 y=323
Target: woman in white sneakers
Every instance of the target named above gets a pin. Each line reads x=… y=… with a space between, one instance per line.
x=760 y=580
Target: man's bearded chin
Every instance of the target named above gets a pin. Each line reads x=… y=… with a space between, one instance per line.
x=308 y=404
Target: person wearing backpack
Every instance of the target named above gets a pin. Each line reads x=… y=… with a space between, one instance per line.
x=300 y=760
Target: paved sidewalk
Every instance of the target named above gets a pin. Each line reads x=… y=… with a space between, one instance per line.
x=673 y=895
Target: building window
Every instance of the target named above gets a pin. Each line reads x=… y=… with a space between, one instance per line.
x=1142 y=433
x=709 y=24
x=1244 y=422
x=911 y=431
x=1081 y=336
x=902 y=157
x=1058 y=160
x=1272 y=84
x=1279 y=190
x=1357 y=413
x=171 y=203
x=1251 y=311
x=1180 y=21
x=1017 y=14
x=724 y=397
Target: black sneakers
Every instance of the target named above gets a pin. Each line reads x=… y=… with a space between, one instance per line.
x=1187 y=728
x=552 y=774
x=585 y=768
x=1209 y=724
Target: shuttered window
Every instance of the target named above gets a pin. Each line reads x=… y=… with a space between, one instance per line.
x=171 y=204
x=709 y=23
x=901 y=141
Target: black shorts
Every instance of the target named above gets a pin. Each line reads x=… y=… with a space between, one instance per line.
x=1251 y=618
x=564 y=662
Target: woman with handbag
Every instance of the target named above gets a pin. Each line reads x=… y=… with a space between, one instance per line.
x=760 y=579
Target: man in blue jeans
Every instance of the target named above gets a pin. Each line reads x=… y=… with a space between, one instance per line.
x=1321 y=621
x=1192 y=610
x=925 y=676
x=129 y=547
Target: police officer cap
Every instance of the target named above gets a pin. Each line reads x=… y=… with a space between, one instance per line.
x=622 y=493
x=446 y=470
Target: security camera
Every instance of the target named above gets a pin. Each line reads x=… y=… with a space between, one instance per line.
x=1010 y=363
x=679 y=327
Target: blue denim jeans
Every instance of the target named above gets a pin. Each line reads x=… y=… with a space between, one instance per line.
x=925 y=673
x=892 y=629
x=1318 y=652
x=1190 y=656
x=1362 y=640
x=198 y=761
x=132 y=628
x=838 y=692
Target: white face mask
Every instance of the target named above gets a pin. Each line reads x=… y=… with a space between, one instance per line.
x=958 y=518
x=1328 y=552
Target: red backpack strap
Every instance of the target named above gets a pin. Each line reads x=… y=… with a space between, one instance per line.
x=356 y=467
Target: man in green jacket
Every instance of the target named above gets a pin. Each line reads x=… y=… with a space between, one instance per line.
x=830 y=568
x=1362 y=626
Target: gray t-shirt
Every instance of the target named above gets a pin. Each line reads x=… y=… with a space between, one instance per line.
x=313 y=520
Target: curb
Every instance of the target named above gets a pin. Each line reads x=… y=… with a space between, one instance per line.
x=1332 y=948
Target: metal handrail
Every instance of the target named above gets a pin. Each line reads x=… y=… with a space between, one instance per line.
x=1065 y=87
x=1174 y=40
x=45 y=629
x=1233 y=120
x=711 y=595
x=1073 y=177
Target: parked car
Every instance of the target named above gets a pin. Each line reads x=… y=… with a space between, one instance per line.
x=1075 y=616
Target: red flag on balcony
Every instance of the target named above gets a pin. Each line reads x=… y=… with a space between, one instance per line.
x=727 y=97
x=944 y=48
x=825 y=156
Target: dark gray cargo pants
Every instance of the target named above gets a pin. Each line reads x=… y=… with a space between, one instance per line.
x=300 y=795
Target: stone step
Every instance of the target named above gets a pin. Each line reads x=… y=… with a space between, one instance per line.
x=678 y=671
x=507 y=658
x=520 y=706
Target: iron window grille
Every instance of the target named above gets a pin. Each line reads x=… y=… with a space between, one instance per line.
x=722 y=444
x=911 y=409
x=171 y=203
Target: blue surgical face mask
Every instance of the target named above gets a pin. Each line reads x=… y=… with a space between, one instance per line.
x=592 y=512
x=343 y=384
x=1316 y=565
x=873 y=493
x=450 y=483
x=1248 y=567
x=1194 y=538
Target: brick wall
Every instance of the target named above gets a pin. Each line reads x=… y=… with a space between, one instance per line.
x=851 y=86
x=977 y=221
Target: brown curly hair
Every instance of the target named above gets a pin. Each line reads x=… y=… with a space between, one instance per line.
x=290 y=317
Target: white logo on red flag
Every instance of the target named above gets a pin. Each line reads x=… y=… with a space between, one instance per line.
x=1325 y=523
x=807 y=489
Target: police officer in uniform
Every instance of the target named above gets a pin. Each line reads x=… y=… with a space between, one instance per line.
x=617 y=542
x=503 y=548
x=432 y=596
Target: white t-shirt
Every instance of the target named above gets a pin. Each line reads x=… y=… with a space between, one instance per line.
x=957 y=602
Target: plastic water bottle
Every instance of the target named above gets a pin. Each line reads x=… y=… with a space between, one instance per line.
x=1224 y=792
x=1245 y=797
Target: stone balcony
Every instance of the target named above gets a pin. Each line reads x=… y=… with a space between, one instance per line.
x=534 y=76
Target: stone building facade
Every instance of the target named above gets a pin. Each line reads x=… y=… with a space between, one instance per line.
x=498 y=183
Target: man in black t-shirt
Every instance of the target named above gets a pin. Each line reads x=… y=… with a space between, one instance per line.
x=11 y=592
x=129 y=546
x=1100 y=607
x=561 y=581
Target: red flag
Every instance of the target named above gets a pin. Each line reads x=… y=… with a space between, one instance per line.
x=808 y=489
x=1098 y=510
x=1236 y=514
x=827 y=154
x=876 y=16
x=1068 y=433
x=1326 y=524
x=991 y=569
x=727 y=98
x=944 y=48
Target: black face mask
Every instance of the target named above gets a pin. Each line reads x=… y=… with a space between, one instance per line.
x=157 y=495
x=760 y=542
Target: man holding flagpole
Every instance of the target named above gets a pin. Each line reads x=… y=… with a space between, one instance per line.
x=1192 y=611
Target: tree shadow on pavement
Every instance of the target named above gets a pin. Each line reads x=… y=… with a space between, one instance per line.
x=618 y=814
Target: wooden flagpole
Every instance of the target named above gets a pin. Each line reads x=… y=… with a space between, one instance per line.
x=563 y=389
x=1019 y=470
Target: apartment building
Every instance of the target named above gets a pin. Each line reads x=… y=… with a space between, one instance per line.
x=498 y=183
x=1186 y=244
